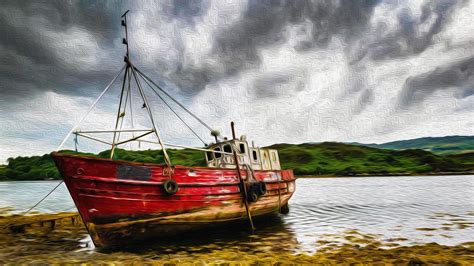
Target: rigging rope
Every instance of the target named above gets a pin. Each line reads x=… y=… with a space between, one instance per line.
x=157 y=134
x=34 y=206
x=122 y=117
x=145 y=78
x=75 y=142
x=67 y=136
x=176 y=101
x=112 y=150
x=131 y=109
x=90 y=109
x=179 y=117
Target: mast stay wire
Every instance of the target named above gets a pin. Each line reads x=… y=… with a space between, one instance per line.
x=144 y=77
x=64 y=141
x=122 y=117
x=131 y=109
x=152 y=120
x=90 y=109
x=112 y=150
x=171 y=97
x=177 y=115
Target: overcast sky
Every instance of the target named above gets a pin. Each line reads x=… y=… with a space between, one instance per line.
x=284 y=71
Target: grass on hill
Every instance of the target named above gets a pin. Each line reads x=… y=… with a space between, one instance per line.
x=43 y=167
x=325 y=159
x=438 y=145
x=340 y=159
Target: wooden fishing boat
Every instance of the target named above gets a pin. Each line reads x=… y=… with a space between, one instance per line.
x=122 y=202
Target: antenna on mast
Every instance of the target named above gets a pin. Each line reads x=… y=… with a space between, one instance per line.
x=125 y=40
x=128 y=71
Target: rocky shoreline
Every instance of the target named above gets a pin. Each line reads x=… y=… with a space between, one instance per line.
x=67 y=242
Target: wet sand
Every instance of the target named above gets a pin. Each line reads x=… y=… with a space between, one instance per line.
x=68 y=243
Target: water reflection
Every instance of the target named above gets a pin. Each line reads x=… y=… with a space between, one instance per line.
x=273 y=235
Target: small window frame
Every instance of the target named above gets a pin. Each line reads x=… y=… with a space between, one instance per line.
x=209 y=156
x=227 y=148
x=254 y=156
x=242 y=148
x=217 y=154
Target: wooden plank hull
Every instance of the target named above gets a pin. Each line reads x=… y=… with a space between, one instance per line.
x=123 y=202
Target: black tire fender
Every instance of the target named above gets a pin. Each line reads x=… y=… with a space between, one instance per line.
x=170 y=186
x=262 y=188
x=252 y=194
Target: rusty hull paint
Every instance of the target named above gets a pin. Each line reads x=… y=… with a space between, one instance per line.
x=124 y=202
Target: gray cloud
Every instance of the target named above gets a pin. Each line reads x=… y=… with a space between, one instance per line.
x=186 y=10
x=32 y=64
x=263 y=24
x=458 y=76
x=32 y=60
x=278 y=84
x=413 y=34
x=365 y=99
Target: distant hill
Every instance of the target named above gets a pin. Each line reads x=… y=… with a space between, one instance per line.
x=319 y=159
x=438 y=145
x=339 y=159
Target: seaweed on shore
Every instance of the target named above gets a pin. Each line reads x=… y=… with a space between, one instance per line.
x=42 y=245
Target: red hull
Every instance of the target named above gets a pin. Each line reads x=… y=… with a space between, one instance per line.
x=123 y=202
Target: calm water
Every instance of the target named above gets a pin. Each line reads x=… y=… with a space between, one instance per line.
x=405 y=210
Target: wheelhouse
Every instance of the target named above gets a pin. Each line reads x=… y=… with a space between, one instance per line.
x=220 y=155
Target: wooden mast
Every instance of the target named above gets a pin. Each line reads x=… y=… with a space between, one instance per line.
x=129 y=72
x=243 y=184
x=127 y=60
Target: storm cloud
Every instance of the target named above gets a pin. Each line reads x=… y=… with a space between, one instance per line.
x=458 y=76
x=414 y=34
x=329 y=70
x=278 y=84
x=31 y=33
x=30 y=29
x=265 y=23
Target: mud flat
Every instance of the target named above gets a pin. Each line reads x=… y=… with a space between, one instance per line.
x=67 y=242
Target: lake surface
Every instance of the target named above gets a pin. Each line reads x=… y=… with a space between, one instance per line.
x=405 y=210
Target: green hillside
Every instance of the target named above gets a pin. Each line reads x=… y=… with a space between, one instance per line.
x=438 y=145
x=340 y=159
x=43 y=167
x=465 y=158
x=323 y=159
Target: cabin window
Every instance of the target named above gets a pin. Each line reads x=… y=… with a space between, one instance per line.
x=254 y=154
x=242 y=148
x=209 y=156
x=217 y=153
x=227 y=148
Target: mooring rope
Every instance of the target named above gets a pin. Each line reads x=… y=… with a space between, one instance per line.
x=34 y=206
